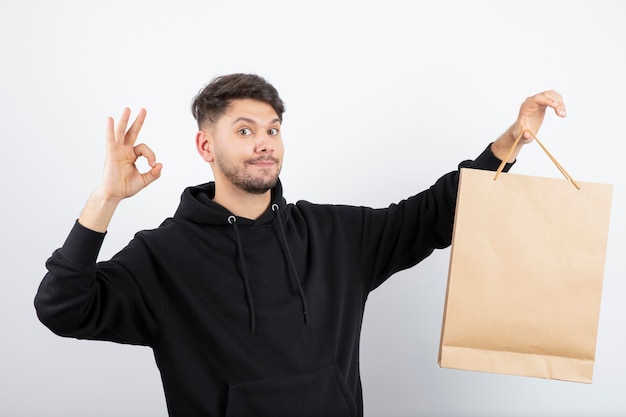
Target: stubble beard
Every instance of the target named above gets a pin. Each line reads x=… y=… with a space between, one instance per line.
x=243 y=180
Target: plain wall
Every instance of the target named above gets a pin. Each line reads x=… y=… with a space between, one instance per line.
x=382 y=98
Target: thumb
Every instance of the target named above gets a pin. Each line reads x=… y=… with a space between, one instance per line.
x=152 y=175
x=527 y=136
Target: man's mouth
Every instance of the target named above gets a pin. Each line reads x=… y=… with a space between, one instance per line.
x=263 y=162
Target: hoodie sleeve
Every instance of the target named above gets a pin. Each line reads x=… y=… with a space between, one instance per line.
x=398 y=237
x=81 y=298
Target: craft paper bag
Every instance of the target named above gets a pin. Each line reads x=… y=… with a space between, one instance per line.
x=525 y=276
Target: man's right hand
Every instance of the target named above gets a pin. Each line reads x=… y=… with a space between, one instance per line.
x=121 y=177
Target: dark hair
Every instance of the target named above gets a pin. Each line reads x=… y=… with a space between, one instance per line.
x=212 y=100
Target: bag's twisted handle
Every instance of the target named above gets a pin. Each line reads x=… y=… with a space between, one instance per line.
x=565 y=174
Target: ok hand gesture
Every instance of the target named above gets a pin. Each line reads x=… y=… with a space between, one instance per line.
x=121 y=177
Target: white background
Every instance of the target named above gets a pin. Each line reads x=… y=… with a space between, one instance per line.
x=382 y=98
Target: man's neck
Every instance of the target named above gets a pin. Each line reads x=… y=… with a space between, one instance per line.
x=242 y=203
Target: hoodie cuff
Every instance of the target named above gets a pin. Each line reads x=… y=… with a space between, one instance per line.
x=486 y=161
x=82 y=245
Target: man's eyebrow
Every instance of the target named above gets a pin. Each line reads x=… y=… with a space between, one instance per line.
x=252 y=121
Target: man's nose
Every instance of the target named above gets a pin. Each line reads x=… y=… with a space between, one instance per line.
x=264 y=143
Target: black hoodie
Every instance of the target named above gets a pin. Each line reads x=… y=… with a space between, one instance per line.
x=248 y=318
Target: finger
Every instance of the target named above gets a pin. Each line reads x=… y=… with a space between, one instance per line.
x=110 y=131
x=120 y=131
x=559 y=108
x=143 y=150
x=133 y=131
x=153 y=174
x=555 y=100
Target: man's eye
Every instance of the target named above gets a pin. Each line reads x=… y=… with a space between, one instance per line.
x=273 y=131
x=245 y=131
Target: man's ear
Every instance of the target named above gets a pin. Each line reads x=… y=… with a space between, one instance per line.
x=204 y=147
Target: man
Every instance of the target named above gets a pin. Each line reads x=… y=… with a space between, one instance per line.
x=252 y=306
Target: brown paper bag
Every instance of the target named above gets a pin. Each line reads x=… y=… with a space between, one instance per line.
x=525 y=277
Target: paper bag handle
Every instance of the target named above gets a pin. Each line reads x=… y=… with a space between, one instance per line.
x=565 y=174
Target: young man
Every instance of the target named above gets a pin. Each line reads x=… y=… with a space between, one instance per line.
x=252 y=305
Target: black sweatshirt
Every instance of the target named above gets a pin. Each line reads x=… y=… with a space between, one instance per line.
x=248 y=318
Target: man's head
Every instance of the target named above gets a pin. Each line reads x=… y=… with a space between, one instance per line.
x=239 y=118
x=213 y=100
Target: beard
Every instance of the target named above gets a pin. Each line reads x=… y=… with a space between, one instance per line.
x=244 y=180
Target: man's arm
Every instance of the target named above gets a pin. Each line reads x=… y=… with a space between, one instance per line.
x=390 y=240
x=530 y=117
x=121 y=177
x=77 y=298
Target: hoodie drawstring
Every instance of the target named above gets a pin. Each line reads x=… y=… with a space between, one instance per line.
x=305 y=310
x=246 y=283
x=242 y=265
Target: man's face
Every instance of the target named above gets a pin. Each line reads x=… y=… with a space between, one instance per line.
x=247 y=146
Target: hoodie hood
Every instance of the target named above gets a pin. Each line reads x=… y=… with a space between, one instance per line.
x=197 y=206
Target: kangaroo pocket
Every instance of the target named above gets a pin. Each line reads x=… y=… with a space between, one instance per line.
x=322 y=392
